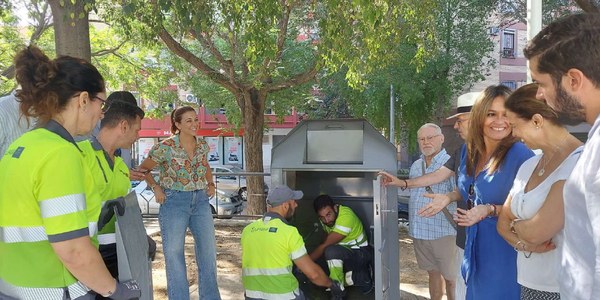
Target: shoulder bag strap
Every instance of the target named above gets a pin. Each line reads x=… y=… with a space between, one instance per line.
x=447 y=214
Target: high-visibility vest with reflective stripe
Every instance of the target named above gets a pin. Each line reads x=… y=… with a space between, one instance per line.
x=269 y=247
x=43 y=187
x=112 y=182
x=350 y=226
x=94 y=186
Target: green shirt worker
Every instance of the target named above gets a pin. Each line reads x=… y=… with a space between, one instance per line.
x=118 y=129
x=345 y=247
x=270 y=247
x=47 y=210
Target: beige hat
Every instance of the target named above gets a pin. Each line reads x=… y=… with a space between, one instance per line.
x=464 y=103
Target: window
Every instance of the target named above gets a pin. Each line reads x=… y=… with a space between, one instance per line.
x=508 y=43
x=510 y=84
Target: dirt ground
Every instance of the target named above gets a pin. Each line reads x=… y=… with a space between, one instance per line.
x=229 y=256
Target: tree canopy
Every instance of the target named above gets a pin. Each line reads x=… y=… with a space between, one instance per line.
x=458 y=56
x=262 y=51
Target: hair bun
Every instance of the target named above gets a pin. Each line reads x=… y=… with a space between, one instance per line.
x=35 y=71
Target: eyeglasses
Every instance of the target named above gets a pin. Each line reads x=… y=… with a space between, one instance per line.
x=427 y=138
x=459 y=121
x=470 y=200
x=105 y=105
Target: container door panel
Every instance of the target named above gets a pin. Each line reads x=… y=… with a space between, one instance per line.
x=387 y=268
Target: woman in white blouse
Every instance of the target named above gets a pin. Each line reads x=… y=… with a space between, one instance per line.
x=533 y=217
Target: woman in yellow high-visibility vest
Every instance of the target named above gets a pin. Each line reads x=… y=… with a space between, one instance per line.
x=48 y=213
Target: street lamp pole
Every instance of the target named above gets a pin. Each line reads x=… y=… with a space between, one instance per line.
x=534 y=24
x=392 y=133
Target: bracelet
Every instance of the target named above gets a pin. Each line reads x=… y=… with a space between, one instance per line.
x=517 y=246
x=492 y=212
x=152 y=186
x=405 y=185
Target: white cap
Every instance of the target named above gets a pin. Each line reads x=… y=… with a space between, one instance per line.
x=464 y=103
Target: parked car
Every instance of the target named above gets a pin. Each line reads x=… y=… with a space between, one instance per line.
x=403 y=209
x=223 y=202
x=231 y=182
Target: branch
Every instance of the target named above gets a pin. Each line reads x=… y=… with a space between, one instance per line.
x=42 y=22
x=295 y=80
x=233 y=43
x=210 y=46
x=109 y=51
x=588 y=6
x=8 y=73
x=180 y=51
x=282 y=26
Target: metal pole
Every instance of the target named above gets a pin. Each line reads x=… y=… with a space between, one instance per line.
x=392 y=133
x=534 y=24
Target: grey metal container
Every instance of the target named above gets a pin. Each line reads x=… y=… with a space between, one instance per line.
x=341 y=158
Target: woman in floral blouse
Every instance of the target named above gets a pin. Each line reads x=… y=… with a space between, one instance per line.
x=184 y=186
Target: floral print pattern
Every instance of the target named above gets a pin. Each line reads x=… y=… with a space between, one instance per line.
x=177 y=170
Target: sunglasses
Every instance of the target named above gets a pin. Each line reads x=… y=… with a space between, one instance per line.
x=470 y=200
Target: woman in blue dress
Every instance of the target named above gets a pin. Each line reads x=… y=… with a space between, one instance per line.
x=488 y=168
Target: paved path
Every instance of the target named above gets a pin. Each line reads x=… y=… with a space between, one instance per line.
x=407 y=291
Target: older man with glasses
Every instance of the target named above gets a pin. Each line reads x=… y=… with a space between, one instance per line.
x=434 y=238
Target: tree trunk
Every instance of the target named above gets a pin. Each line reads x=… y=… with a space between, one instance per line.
x=253 y=135
x=71 y=29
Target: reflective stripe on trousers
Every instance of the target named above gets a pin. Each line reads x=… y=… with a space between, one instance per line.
x=76 y=291
x=336 y=270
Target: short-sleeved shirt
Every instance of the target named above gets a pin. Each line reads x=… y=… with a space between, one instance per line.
x=539 y=271
x=437 y=226
x=269 y=246
x=452 y=164
x=454 y=161
x=43 y=187
x=111 y=180
x=580 y=262
x=350 y=226
x=177 y=170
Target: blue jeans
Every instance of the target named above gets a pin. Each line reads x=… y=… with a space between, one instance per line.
x=180 y=211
